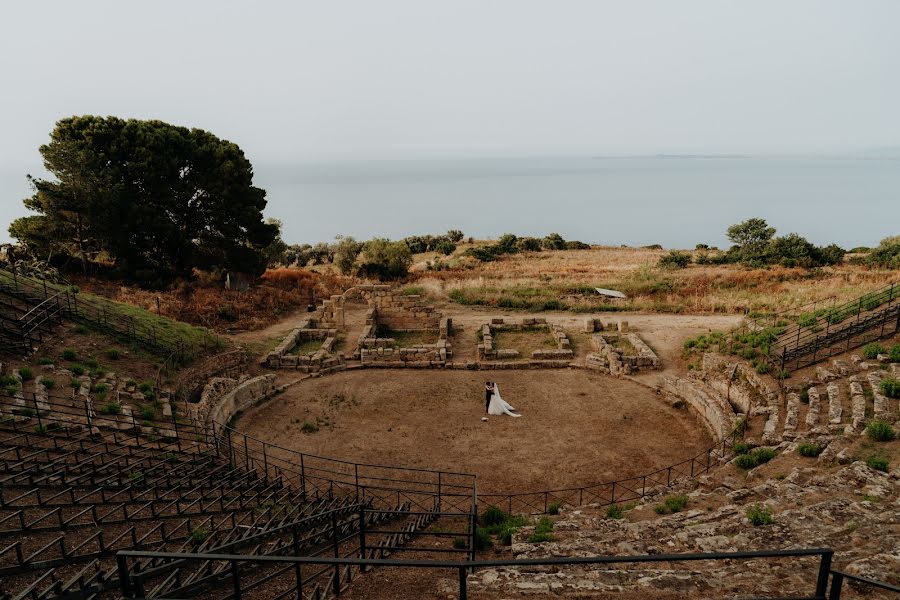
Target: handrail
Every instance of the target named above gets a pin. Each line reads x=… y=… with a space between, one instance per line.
x=132 y=582
x=837 y=583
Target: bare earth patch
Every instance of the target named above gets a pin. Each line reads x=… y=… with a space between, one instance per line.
x=578 y=428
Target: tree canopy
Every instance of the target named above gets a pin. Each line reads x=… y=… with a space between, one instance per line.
x=157 y=199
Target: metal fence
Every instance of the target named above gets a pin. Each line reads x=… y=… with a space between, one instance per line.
x=240 y=569
x=109 y=317
x=621 y=490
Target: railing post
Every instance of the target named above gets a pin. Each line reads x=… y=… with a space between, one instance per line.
x=302 y=479
x=362 y=537
x=824 y=570
x=298 y=574
x=124 y=579
x=336 y=578
x=438 y=506
x=463 y=592
x=837 y=584
x=236 y=580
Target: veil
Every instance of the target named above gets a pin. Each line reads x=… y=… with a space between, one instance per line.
x=499 y=406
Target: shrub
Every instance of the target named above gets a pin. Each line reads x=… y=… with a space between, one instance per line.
x=890 y=387
x=482 y=539
x=48 y=383
x=671 y=504
x=460 y=543
x=113 y=353
x=45 y=361
x=871 y=351
x=309 y=427
x=111 y=408
x=92 y=363
x=763 y=455
x=77 y=369
x=760 y=514
x=676 y=503
x=880 y=431
x=553 y=507
x=79 y=330
x=741 y=448
x=69 y=354
x=385 y=259
x=75 y=384
x=148 y=413
x=614 y=512
x=745 y=461
x=675 y=260
x=26 y=374
x=895 y=353
x=9 y=384
x=878 y=463
x=199 y=535
x=542 y=531
x=809 y=450
x=493 y=515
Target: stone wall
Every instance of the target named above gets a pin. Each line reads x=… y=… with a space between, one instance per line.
x=324 y=358
x=396 y=310
x=486 y=350
x=714 y=410
x=221 y=401
x=609 y=358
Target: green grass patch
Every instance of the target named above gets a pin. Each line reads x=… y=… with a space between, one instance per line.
x=880 y=431
x=809 y=450
x=759 y=515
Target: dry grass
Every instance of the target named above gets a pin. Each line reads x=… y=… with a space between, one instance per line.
x=525 y=341
x=565 y=280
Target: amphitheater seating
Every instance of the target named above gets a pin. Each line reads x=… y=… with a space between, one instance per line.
x=72 y=496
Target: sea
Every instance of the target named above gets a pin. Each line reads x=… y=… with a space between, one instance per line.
x=675 y=201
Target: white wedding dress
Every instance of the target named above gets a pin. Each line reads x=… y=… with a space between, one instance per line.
x=498 y=405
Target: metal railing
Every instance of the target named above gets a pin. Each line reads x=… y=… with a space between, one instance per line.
x=108 y=316
x=316 y=477
x=296 y=585
x=621 y=490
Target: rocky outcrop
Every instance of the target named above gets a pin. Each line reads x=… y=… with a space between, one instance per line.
x=851 y=509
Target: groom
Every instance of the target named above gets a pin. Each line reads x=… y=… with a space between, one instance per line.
x=488 y=391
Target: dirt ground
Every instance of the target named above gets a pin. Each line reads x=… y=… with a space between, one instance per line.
x=577 y=428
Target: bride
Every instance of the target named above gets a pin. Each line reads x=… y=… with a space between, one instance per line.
x=498 y=405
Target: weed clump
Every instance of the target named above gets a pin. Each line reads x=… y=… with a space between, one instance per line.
x=871 y=351
x=890 y=387
x=760 y=514
x=672 y=504
x=879 y=463
x=809 y=450
x=880 y=431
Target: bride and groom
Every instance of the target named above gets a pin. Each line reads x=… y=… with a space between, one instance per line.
x=494 y=404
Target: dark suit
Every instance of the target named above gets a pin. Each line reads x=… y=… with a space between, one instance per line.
x=487 y=397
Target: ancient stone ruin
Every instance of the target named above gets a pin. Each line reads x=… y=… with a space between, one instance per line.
x=619 y=353
x=487 y=351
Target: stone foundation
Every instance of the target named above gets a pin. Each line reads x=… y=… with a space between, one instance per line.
x=608 y=358
x=486 y=350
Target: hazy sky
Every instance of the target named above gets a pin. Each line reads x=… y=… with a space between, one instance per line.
x=335 y=79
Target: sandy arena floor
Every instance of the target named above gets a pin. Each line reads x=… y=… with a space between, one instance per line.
x=577 y=427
